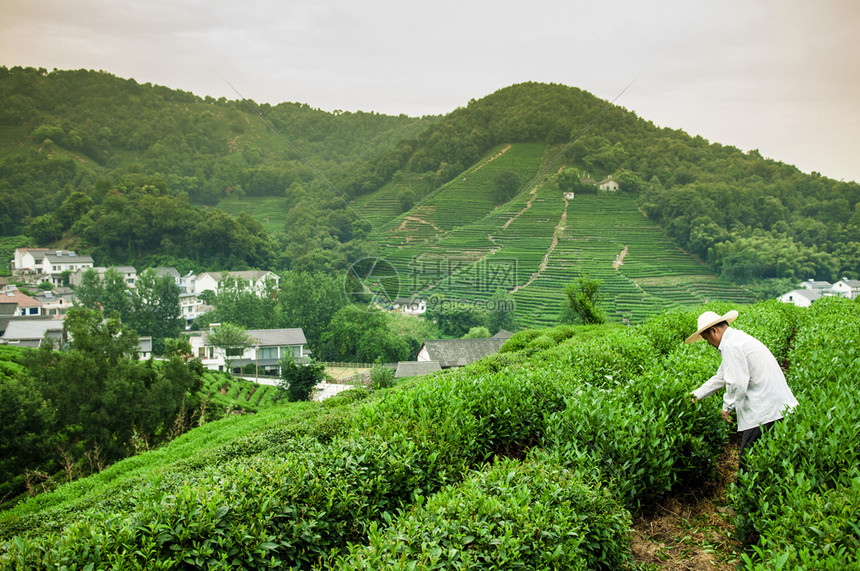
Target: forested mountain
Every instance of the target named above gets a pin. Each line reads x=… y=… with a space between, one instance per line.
x=748 y=216
x=117 y=165
x=121 y=170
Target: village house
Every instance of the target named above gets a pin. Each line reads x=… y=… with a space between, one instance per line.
x=31 y=332
x=36 y=265
x=847 y=288
x=56 y=302
x=409 y=305
x=820 y=287
x=28 y=260
x=608 y=184
x=800 y=297
x=128 y=273
x=270 y=346
x=191 y=307
x=57 y=262
x=460 y=352
x=257 y=280
x=17 y=303
x=415 y=368
x=160 y=272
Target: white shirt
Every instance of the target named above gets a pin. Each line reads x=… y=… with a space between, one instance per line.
x=755 y=385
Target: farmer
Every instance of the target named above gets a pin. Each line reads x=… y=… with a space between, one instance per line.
x=755 y=385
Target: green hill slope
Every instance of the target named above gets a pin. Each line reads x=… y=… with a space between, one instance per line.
x=533 y=458
x=459 y=243
x=113 y=168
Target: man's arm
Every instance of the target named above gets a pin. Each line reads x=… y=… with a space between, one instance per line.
x=711 y=386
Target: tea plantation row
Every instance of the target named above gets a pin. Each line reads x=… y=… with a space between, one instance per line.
x=533 y=458
x=447 y=244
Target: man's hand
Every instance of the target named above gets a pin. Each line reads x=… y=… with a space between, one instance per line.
x=695 y=400
x=727 y=416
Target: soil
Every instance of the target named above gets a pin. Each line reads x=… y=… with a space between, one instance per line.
x=692 y=530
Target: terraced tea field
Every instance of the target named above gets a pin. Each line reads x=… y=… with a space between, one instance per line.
x=458 y=243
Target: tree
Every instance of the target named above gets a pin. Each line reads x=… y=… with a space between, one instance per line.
x=91 y=289
x=381 y=377
x=232 y=340
x=155 y=310
x=297 y=381
x=26 y=438
x=500 y=312
x=103 y=396
x=116 y=299
x=506 y=183
x=406 y=199
x=44 y=229
x=237 y=303
x=359 y=335
x=454 y=317
x=310 y=300
x=479 y=332
x=584 y=299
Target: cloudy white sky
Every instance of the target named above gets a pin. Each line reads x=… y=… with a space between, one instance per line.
x=779 y=76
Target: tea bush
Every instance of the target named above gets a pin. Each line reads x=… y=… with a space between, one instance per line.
x=523 y=460
x=615 y=358
x=815 y=448
x=812 y=529
x=519 y=340
x=669 y=329
x=643 y=445
x=532 y=515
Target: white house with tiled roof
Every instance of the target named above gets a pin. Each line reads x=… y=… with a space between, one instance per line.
x=257 y=280
x=847 y=288
x=29 y=259
x=56 y=302
x=820 y=286
x=608 y=184
x=270 y=346
x=800 y=297
x=56 y=262
x=128 y=273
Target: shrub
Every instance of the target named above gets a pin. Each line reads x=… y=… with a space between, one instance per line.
x=346 y=397
x=508 y=516
x=669 y=329
x=816 y=445
x=812 y=529
x=519 y=340
x=614 y=358
x=381 y=377
x=297 y=381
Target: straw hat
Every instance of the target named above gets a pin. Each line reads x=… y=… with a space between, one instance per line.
x=709 y=319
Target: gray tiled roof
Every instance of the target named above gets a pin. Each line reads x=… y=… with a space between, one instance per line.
x=460 y=352
x=413 y=368
x=36 y=329
x=273 y=337
x=68 y=258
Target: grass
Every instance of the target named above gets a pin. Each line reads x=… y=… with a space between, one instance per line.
x=270 y=211
x=88 y=491
x=8 y=245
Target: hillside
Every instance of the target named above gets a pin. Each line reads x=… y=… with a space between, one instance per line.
x=459 y=244
x=535 y=458
x=143 y=175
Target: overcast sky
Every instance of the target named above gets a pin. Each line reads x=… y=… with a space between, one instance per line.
x=779 y=76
